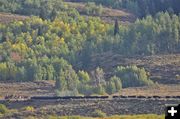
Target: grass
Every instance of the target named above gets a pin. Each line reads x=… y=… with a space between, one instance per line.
x=98 y=113
x=29 y=109
x=148 y=116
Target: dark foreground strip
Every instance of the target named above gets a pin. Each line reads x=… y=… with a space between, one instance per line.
x=69 y=97
x=101 y=97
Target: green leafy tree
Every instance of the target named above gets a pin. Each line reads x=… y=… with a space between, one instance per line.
x=114 y=85
x=83 y=77
x=132 y=76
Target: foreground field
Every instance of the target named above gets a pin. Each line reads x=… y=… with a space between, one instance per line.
x=147 y=116
x=86 y=108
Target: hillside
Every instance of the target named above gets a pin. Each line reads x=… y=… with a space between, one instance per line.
x=93 y=58
x=60 y=43
x=108 y=14
x=163 y=69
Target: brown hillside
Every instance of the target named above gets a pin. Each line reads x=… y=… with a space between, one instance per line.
x=163 y=69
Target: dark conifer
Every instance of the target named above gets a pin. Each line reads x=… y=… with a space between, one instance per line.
x=116 y=27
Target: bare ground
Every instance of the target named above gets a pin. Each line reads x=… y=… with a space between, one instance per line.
x=158 y=90
x=39 y=88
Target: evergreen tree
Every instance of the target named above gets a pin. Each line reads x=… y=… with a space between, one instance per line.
x=116 y=27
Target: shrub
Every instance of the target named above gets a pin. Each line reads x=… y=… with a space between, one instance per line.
x=99 y=90
x=113 y=85
x=110 y=88
x=83 y=76
x=29 y=109
x=3 y=109
x=132 y=76
x=93 y=9
x=177 y=76
x=85 y=89
x=98 y=113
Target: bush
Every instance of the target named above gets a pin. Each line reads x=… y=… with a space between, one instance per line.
x=177 y=76
x=99 y=90
x=29 y=109
x=132 y=76
x=3 y=109
x=93 y=9
x=114 y=85
x=85 y=89
x=98 y=113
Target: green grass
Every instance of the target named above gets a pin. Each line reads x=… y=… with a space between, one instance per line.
x=148 y=116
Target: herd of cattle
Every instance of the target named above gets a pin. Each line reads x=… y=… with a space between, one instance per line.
x=21 y=97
